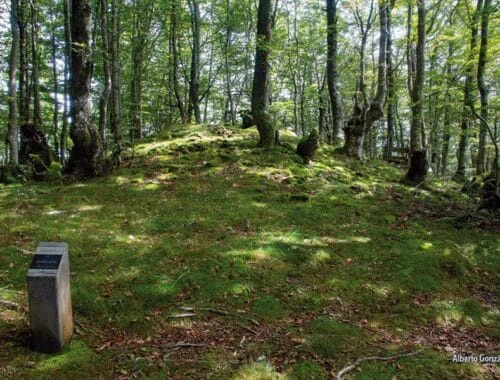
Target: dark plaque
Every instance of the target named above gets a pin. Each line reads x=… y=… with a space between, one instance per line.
x=46 y=262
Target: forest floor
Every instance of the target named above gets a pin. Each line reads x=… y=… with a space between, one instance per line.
x=281 y=270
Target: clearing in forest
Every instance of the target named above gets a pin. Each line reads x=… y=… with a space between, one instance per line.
x=208 y=257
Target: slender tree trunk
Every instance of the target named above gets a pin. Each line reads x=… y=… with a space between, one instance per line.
x=227 y=48
x=391 y=89
x=37 y=109
x=194 y=85
x=104 y=101
x=175 y=63
x=321 y=108
x=67 y=65
x=468 y=97
x=483 y=88
x=142 y=17
x=55 y=118
x=12 y=132
x=418 y=160
x=24 y=87
x=332 y=70
x=447 y=115
x=136 y=81
x=116 y=111
x=261 y=79
x=206 y=95
x=87 y=155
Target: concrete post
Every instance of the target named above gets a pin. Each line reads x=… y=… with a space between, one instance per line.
x=50 y=311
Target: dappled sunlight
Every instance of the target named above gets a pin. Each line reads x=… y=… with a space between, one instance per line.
x=320 y=257
x=241 y=289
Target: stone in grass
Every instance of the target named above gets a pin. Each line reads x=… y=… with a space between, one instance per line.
x=50 y=310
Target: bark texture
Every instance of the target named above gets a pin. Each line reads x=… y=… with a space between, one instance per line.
x=332 y=69
x=418 y=161
x=260 y=88
x=86 y=157
x=12 y=129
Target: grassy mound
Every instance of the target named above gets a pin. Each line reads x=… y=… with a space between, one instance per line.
x=290 y=270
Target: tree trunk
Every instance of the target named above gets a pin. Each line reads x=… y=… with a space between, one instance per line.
x=175 y=63
x=194 y=85
x=116 y=108
x=332 y=70
x=55 y=118
x=227 y=47
x=104 y=101
x=261 y=79
x=418 y=161
x=142 y=15
x=67 y=64
x=367 y=114
x=483 y=88
x=37 y=109
x=321 y=108
x=86 y=156
x=391 y=89
x=24 y=87
x=468 y=97
x=12 y=133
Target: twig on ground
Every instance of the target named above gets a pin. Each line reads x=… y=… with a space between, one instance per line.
x=349 y=368
x=85 y=328
x=177 y=346
x=25 y=251
x=183 y=315
x=227 y=313
x=187 y=345
x=246 y=328
x=12 y=305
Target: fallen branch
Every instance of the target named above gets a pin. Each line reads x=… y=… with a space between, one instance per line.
x=349 y=368
x=227 y=313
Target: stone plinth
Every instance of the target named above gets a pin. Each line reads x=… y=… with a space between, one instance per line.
x=50 y=311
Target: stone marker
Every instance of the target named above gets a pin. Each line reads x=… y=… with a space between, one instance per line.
x=50 y=312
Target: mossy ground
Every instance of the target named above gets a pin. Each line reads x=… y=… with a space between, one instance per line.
x=292 y=271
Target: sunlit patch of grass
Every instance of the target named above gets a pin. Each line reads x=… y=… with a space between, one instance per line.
x=257 y=371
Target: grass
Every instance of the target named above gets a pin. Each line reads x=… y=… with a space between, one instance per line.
x=306 y=268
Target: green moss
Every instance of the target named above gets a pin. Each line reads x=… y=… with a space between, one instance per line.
x=306 y=370
x=76 y=359
x=268 y=307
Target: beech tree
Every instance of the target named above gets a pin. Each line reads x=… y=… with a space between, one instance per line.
x=86 y=157
x=12 y=131
x=366 y=112
x=418 y=160
x=262 y=76
x=332 y=68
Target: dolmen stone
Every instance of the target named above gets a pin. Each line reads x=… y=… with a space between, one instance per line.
x=49 y=293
